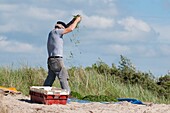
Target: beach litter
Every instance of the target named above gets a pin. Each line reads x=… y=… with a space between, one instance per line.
x=131 y=100
x=8 y=90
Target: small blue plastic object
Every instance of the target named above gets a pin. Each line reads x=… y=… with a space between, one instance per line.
x=133 y=101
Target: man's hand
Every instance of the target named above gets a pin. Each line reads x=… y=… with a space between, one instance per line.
x=78 y=18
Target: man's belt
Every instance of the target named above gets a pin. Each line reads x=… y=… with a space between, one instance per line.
x=55 y=57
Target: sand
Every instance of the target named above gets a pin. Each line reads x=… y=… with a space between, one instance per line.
x=22 y=104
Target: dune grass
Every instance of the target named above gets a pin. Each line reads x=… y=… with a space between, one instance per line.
x=84 y=82
x=92 y=83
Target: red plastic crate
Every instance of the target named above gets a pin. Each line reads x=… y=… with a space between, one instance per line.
x=42 y=96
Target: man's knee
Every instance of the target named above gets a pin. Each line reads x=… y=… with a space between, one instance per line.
x=63 y=76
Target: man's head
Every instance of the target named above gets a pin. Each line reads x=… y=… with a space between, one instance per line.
x=60 y=25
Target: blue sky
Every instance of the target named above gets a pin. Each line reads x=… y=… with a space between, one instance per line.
x=136 y=29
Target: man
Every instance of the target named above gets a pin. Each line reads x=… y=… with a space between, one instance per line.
x=55 y=52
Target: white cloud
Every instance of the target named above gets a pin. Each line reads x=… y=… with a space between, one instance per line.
x=24 y=11
x=132 y=50
x=131 y=36
x=135 y=32
x=75 y=1
x=44 y=13
x=11 y=26
x=144 y=50
x=26 y=18
x=118 y=49
x=8 y=7
x=97 y=22
x=16 y=47
x=108 y=1
x=130 y=23
x=111 y=11
x=94 y=2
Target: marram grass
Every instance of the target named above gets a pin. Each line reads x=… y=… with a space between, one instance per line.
x=83 y=82
x=92 y=83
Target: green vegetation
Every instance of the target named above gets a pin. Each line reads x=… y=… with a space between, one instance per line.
x=99 y=82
